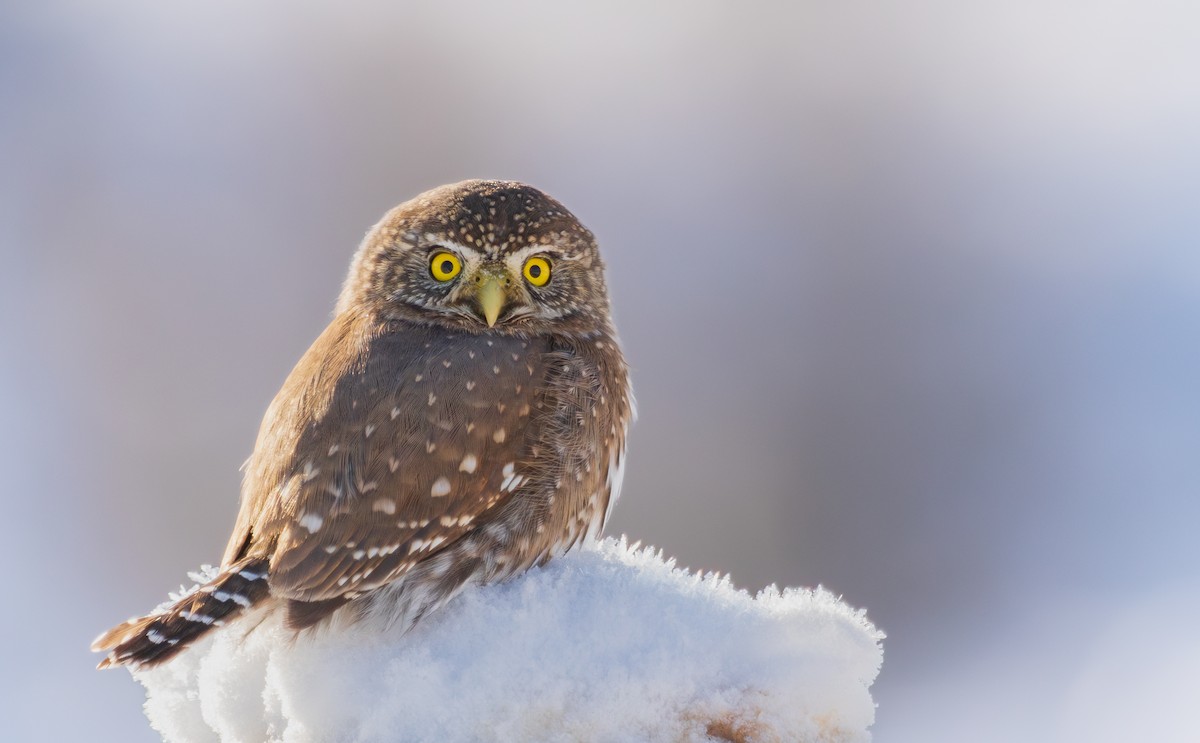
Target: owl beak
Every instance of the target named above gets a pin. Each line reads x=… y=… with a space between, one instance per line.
x=491 y=297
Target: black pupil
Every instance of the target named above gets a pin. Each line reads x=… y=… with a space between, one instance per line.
x=447 y=266
x=535 y=270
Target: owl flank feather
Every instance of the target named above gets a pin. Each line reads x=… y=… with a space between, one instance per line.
x=440 y=432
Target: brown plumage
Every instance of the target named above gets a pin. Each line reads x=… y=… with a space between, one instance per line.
x=461 y=419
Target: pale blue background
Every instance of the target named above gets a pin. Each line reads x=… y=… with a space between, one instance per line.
x=911 y=291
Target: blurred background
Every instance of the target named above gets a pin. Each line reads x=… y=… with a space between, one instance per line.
x=911 y=291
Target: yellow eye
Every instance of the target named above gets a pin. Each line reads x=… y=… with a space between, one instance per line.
x=537 y=271
x=445 y=266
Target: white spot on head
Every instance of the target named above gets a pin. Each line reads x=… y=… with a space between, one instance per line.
x=441 y=488
x=468 y=464
x=470 y=385
x=498 y=435
x=368 y=430
x=432 y=398
x=333 y=450
x=312 y=522
x=395 y=413
x=446 y=363
x=418 y=378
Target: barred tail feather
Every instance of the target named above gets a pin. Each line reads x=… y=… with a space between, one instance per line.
x=153 y=639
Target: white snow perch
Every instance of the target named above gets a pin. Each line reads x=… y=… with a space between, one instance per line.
x=608 y=644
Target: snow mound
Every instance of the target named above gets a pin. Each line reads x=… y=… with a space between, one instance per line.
x=608 y=644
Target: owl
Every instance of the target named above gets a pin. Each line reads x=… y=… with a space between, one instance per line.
x=462 y=419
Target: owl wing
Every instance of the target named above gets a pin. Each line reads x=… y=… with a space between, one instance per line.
x=414 y=440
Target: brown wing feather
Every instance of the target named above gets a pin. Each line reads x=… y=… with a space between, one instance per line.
x=409 y=444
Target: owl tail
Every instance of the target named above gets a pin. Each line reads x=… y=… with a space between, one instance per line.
x=153 y=639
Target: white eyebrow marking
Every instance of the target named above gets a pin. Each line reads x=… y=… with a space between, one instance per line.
x=441 y=242
x=518 y=256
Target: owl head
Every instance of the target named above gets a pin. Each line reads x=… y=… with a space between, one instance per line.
x=481 y=256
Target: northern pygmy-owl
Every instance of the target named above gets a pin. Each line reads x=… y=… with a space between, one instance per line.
x=462 y=418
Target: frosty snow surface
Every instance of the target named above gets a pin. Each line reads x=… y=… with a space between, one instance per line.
x=607 y=644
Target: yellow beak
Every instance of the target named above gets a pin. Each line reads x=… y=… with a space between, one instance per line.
x=491 y=297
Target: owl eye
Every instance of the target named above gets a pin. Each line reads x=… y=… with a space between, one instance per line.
x=537 y=271
x=445 y=266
